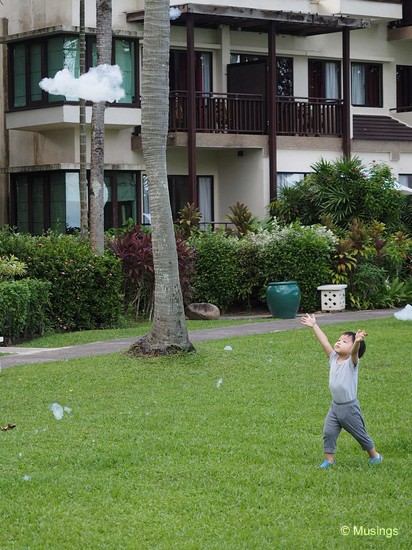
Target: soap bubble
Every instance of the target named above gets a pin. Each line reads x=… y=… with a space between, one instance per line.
x=57 y=410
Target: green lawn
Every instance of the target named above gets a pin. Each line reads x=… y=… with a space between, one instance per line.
x=217 y=449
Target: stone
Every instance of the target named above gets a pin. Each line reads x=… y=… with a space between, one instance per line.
x=202 y=311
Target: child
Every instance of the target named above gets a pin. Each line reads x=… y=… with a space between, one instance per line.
x=345 y=411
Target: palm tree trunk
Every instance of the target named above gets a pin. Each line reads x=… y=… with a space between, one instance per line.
x=169 y=331
x=104 y=55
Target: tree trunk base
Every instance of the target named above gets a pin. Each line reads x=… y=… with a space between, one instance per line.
x=145 y=348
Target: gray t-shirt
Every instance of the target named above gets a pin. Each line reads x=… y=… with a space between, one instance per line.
x=343 y=379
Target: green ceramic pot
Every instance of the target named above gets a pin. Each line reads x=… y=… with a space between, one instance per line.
x=283 y=299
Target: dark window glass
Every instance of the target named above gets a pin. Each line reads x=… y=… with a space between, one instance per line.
x=367 y=84
x=284 y=74
x=324 y=79
x=404 y=87
x=51 y=200
x=45 y=57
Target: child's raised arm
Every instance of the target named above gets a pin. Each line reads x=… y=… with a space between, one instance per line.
x=360 y=335
x=310 y=321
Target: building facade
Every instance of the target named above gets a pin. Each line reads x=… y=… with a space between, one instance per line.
x=258 y=94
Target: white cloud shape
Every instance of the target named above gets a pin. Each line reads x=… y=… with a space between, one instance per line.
x=101 y=83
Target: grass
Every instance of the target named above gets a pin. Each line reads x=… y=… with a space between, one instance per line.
x=218 y=449
x=139 y=328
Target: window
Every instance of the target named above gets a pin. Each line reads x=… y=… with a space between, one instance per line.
x=288 y=179
x=403 y=87
x=324 y=79
x=30 y=61
x=51 y=200
x=179 y=194
x=178 y=71
x=367 y=84
x=120 y=199
x=405 y=179
x=40 y=202
x=284 y=74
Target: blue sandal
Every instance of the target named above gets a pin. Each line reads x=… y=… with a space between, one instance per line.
x=376 y=459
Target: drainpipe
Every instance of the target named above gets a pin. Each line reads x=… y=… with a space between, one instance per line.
x=346 y=140
x=271 y=105
x=5 y=192
x=191 y=109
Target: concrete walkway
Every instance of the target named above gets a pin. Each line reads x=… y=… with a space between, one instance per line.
x=25 y=356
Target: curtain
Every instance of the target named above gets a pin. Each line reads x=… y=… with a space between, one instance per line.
x=331 y=80
x=358 y=84
x=205 y=198
x=124 y=57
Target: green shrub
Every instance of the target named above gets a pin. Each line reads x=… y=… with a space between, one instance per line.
x=296 y=252
x=86 y=289
x=23 y=308
x=217 y=277
x=232 y=271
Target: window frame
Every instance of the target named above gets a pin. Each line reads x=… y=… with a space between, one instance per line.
x=368 y=84
x=47 y=184
x=404 y=87
x=43 y=42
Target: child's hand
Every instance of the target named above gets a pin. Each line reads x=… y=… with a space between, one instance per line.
x=360 y=335
x=308 y=320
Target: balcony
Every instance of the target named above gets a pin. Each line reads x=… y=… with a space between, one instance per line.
x=247 y=114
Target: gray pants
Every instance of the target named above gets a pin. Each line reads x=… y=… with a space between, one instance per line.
x=349 y=417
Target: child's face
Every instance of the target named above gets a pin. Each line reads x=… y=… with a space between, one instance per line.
x=344 y=345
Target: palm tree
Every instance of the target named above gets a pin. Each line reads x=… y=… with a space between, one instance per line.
x=169 y=331
x=104 y=55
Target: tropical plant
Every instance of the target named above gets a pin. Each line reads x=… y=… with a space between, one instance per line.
x=135 y=251
x=242 y=218
x=189 y=219
x=11 y=267
x=342 y=191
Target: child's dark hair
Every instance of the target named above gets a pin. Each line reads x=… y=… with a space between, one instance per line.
x=362 y=345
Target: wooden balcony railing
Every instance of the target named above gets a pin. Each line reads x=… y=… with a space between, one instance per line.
x=230 y=113
x=309 y=116
x=246 y=114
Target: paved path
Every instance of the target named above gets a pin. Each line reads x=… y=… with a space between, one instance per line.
x=25 y=356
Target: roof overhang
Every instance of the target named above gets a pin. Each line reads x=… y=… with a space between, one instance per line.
x=256 y=20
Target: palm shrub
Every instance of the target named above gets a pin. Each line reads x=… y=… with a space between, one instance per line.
x=344 y=190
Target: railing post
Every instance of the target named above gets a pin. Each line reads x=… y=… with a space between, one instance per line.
x=271 y=102
x=346 y=126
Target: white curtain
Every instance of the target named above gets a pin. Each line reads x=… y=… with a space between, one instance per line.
x=146 y=217
x=206 y=59
x=205 y=198
x=331 y=80
x=358 y=84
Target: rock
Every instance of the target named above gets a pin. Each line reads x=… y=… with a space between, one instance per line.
x=202 y=312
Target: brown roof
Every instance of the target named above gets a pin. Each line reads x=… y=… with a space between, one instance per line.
x=250 y=19
x=380 y=128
